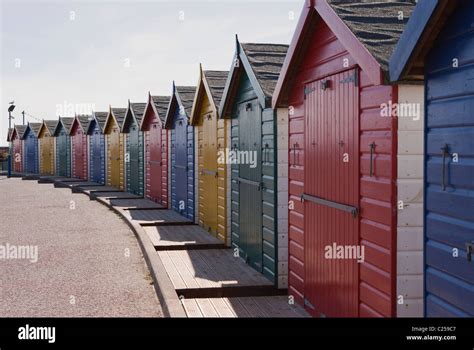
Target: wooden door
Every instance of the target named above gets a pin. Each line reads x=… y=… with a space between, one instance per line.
x=331 y=182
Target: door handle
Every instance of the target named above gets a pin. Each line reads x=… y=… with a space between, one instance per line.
x=469 y=250
x=372 y=149
x=295 y=148
x=445 y=150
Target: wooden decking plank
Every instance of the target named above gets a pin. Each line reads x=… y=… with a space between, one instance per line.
x=253 y=308
x=236 y=306
x=90 y=189
x=157 y=217
x=197 y=267
x=69 y=179
x=222 y=307
x=212 y=270
x=246 y=274
x=264 y=306
x=170 y=268
x=82 y=184
x=135 y=204
x=186 y=274
x=191 y=307
x=184 y=236
x=207 y=308
x=114 y=195
x=277 y=306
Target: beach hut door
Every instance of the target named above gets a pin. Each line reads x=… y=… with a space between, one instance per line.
x=330 y=198
x=250 y=185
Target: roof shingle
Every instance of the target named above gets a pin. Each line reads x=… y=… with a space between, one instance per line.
x=161 y=104
x=266 y=61
x=376 y=24
x=186 y=95
x=216 y=81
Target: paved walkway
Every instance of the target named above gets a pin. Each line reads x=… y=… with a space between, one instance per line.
x=89 y=262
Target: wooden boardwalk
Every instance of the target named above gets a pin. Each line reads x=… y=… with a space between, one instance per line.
x=213 y=273
x=50 y=179
x=112 y=195
x=266 y=306
x=88 y=189
x=182 y=238
x=157 y=217
x=132 y=204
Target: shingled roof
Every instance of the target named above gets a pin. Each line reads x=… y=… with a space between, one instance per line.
x=35 y=127
x=376 y=24
x=84 y=121
x=216 y=82
x=266 y=61
x=20 y=130
x=101 y=118
x=186 y=96
x=119 y=114
x=67 y=123
x=138 y=109
x=51 y=125
x=161 y=105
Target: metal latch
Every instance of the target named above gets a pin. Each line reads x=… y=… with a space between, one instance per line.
x=445 y=152
x=469 y=249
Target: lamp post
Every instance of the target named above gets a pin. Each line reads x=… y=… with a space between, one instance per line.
x=10 y=110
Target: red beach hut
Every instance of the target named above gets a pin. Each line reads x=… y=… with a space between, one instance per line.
x=79 y=146
x=344 y=149
x=156 y=149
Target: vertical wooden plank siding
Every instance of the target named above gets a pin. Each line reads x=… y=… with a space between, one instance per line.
x=17 y=154
x=79 y=153
x=31 y=161
x=182 y=181
x=223 y=218
x=115 y=156
x=156 y=158
x=63 y=153
x=46 y=149
x=97 y=155
x=324 y=56
x=243 y=194
x=209 y=204
x=134 y=174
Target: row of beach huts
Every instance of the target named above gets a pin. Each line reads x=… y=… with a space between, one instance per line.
x=341 y=167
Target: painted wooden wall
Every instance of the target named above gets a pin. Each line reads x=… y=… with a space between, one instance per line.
x=164 y=162
x=190 y=202
x=270 y=257
x=17 y=154
x=96 y=154
x=31 y=157
x=410 y=196
x=377 y=229
x=115 y=149
x=141 y=170
x=63 y=152
x=46 y=149
x=79 y=144
x=212 y=195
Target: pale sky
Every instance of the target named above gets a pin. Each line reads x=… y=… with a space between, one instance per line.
x=66 y=56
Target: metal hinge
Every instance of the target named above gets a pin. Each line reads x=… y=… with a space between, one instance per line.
x=354 y=78
x=308 y=90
